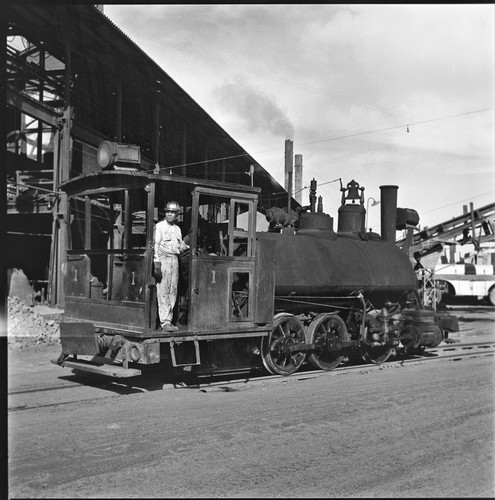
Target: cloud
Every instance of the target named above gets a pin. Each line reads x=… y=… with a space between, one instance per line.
x=258 y=110
x=343 y=81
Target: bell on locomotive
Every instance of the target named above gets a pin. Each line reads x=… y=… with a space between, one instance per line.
x=351 y=212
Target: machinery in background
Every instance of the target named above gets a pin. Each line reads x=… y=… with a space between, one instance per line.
x=443 y=271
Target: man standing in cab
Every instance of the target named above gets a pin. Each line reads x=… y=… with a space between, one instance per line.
x=168 y=246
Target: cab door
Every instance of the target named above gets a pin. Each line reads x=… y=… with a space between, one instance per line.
x=223 y=264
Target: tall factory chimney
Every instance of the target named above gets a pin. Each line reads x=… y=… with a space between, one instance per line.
x=288 y=169
x=298 y=179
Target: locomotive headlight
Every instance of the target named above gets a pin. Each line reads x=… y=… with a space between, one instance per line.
x=107 y=152
x=110 y=153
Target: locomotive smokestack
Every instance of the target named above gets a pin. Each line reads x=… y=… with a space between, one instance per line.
x=298 y=179
x=388 y=214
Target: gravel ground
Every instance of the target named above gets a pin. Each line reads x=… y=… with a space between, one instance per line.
x=27 y=328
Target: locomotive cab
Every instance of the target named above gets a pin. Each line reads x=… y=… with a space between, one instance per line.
x=230 y=283
x=110 y=291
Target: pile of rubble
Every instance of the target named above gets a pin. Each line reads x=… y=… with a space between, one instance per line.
x=26 y=328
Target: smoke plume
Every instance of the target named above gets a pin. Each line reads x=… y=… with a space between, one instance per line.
x=259 y=111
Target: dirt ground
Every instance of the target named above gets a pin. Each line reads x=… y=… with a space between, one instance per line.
x=415 y=431
x=476 y=322
x=420 y=430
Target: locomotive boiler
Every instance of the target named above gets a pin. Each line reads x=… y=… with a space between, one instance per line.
x=270 y=299
x=347 y=290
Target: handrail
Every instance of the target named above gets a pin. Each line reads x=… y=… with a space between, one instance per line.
x=107 y=251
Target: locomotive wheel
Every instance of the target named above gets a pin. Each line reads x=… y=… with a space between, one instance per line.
x=376 y=355
x=491 y=296
x=324 y=329
x=287 y=331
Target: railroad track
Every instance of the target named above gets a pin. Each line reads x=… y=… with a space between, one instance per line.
x=225 y=381
x=452 y=350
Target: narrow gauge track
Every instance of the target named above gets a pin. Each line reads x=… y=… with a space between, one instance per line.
x=229 y=380
x=454 y=349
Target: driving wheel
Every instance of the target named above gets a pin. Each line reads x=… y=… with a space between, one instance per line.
x=279 y=348
x=324 y=331
x=376 y=354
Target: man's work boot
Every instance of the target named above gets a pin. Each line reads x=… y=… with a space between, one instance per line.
x=168 y=327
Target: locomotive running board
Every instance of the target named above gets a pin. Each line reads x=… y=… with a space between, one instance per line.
x=108 y=370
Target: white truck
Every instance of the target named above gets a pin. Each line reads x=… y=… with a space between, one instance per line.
x=456 y=280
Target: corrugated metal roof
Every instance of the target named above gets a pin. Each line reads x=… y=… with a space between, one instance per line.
x=100 y=50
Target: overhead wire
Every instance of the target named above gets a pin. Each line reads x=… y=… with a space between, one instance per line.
x=409 y=124
x=457 y=202
x=209 y=160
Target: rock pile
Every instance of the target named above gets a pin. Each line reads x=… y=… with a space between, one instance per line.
x=26 y=328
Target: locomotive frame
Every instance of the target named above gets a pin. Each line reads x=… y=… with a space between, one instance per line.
x=232 y=308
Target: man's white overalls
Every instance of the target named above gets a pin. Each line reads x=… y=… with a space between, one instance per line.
x=168 y=245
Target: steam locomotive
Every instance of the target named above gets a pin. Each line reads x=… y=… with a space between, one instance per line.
x=270 y=300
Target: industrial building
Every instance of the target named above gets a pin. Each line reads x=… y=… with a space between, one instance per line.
x=73 y=80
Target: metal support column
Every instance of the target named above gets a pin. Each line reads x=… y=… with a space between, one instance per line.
x=63 y=174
